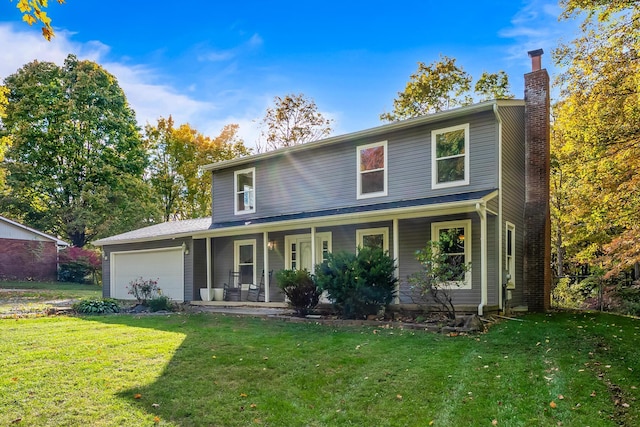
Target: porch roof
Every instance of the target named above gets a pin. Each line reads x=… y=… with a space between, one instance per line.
x=202 y=227
x=438 y=201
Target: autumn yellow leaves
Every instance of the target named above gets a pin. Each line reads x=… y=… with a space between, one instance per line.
x=33 y=11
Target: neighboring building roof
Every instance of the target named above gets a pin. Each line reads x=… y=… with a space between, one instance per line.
x=29 y=230
x=169 y=229
x=390 y=127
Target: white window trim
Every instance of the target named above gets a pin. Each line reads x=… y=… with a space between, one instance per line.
x=466 y=224
x=434 y=163
x=236 y=258
x=510 y=264
x=235 y=191
x=370 y=231
x=359 y=172
x=320 y=237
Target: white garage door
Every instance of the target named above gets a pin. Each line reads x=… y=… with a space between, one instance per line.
x=165 y=265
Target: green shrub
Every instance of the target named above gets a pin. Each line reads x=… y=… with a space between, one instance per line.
x=441 y=273
x=358 y=285
x=78 y=265
x=161 y=302
x=298 y=286
x=567 y=295
x=97 y=306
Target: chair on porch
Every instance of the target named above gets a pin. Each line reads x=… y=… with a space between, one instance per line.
x=256 y=290
x=232 y=288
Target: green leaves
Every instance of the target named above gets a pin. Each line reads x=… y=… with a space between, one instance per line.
x=180 y=187
x=358 y=285
x=596 y=139
x=76 y=161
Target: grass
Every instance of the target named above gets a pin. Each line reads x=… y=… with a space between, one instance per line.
x=215 y=370
x=37 y=297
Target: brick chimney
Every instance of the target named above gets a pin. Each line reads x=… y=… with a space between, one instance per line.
x=537 y=217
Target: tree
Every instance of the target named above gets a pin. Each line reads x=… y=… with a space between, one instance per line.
x=434 y=87
x=292 y=120
x=442 y=85
x=76 y=162
x=176 y=154
x=600 y=138
x=34 y=11
x=493 y=86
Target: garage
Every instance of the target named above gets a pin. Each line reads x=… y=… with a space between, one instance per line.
x=165 y=265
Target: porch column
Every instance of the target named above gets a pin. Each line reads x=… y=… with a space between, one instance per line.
x=396 y=256
x=209 y=275
x=313 y=249
x=265 y=250
x=482 y=213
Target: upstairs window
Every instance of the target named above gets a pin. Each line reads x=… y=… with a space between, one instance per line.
x=372 y=170
x=450 y=156
x=245 y=191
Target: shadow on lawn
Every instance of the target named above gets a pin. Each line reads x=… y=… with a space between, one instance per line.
x=217 y=375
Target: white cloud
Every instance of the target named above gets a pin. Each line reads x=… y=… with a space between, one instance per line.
x=254 y=42
x=534 y=26
x=149 y=99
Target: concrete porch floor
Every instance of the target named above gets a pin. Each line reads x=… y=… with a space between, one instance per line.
x=246 y=308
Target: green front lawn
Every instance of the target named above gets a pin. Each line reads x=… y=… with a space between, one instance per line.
x=214 y=370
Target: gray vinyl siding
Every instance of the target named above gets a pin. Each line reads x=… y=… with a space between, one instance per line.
x=325 y=177
x=199 y=266
x=513 y=191
x=414 y=235
x=158 y=244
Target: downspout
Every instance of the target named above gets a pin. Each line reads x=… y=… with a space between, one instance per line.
x=500 y=231
x=481 y=209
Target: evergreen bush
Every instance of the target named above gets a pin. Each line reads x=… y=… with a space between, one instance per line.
x=358 y=284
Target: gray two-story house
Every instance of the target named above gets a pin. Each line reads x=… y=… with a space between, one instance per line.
x=397 y=186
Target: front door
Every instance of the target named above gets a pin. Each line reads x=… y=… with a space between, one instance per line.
x=298 y=250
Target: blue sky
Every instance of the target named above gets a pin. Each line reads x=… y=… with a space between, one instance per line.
x=214 y=63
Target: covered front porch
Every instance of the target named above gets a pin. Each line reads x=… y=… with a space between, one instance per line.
x=302 y=241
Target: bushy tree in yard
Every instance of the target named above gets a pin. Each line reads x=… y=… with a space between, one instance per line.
x=442 y=271
x=358 y=284
x=301 y=291
x=78 y=264
x=75 y=163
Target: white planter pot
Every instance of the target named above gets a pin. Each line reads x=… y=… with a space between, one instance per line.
x=218 y=294
x=206 y=296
